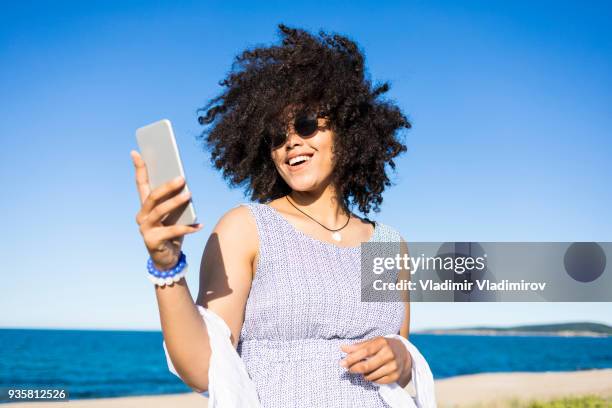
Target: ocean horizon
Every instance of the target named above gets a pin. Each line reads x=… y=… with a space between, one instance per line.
x=116 y=363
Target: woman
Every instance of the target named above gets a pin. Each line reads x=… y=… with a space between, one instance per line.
x=301 y=127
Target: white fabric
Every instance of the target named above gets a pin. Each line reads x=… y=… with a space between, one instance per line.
x=229 y=384
x=422 y=377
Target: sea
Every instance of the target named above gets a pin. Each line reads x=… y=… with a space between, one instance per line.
x=98 y=364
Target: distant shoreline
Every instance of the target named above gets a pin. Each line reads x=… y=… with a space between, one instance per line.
x=468 y=332
x=570 y=329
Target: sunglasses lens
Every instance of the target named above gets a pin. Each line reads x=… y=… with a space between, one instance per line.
x=306 y=125
x=277 y=139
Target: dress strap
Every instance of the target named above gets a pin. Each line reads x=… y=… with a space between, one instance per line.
x=385 y=233
x=270 y=229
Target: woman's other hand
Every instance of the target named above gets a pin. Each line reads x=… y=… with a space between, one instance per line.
x=381 y=360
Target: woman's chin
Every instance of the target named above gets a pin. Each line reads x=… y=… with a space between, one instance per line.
x=304 y=183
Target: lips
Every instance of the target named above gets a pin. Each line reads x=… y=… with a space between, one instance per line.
x=298 y=161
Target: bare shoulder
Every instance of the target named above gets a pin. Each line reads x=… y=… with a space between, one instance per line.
x=364 y=225
x=237 y=224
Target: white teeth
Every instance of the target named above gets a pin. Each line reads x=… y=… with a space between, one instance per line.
x=298 y=159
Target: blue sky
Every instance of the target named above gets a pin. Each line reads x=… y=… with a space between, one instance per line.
x=510 y=105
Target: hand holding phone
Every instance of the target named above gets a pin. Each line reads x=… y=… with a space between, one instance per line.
x=166 y=214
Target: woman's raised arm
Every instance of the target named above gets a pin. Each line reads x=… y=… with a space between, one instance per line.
x=225 y=275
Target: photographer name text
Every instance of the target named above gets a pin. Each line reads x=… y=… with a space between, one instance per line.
x=466 y=286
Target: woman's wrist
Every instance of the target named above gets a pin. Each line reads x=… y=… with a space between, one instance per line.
x=165 y=267
x=406 y=375
x=170 y=265
x=162 y=277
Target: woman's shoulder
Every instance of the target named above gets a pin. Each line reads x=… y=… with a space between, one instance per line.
x=237 y=214
x=249 y=218
x=235 y=235
x=237 y=222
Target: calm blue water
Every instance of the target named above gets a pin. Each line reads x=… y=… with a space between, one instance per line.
x=94 y=364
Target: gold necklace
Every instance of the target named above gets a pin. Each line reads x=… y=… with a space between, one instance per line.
x=335 y=232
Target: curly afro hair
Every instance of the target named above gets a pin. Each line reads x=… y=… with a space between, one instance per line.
x=325 y=74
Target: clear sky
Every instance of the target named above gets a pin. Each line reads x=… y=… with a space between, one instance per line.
x=510 y=104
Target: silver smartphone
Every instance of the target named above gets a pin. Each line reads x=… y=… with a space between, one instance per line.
x=160 y=153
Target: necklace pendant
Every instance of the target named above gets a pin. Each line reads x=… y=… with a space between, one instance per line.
x=336 y=235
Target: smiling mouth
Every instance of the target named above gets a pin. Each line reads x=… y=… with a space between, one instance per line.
x=299 y=162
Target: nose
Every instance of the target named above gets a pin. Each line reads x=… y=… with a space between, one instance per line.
x=293 y=139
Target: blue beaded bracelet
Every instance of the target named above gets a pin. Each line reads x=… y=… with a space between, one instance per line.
x=169 y=276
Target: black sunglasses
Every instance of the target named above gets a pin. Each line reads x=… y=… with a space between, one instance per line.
x=305 y=125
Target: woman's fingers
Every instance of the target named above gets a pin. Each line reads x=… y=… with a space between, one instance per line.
x=142 y=178
x=160 y=210
x=383 y=368
x=358 y=352
x=157 y=195
x=372 y=363
x=354 y=358
x=150 y=198
x=156 y=236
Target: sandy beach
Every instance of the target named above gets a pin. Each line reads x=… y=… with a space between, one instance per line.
x=490 y=390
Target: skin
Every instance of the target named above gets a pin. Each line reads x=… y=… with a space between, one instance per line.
x=229 y=262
